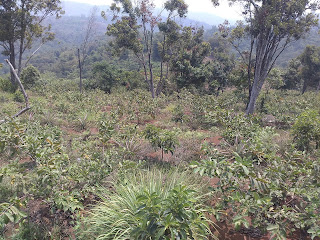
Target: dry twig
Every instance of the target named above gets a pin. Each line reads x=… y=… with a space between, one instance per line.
x=27 y=107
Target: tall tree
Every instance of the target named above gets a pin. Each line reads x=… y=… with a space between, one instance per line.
x=135 y=29
x=292 y=76
x=21 y=22
x=188 y=63
x=222 y=65
x=270 y=26
x=310 y=71
x=169 y=30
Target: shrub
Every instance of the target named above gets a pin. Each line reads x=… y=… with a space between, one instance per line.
x=177 y=113
x=7 y=86
x=166 y=140
x=18 y=96
x=29 y=76
x=307 y=129
x=150 y=205
x=239 y=128
x=279 y=196
x=103 y=77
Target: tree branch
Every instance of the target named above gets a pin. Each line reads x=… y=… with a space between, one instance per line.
x=27 y=107
x=34 y=53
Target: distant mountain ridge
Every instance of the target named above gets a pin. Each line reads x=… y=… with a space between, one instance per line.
x=207 y=20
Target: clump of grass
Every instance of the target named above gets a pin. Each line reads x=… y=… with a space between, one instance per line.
x=150 y=205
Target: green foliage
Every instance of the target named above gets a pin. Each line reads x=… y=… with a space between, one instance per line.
x=188 y=63
x=292 y=77
x=310 y=61
x=149 y=205
x=274 y=195
x=164 y=139
x=106 y=76
x=275 y=79
x=239 y=128
x=239 y=76
x=264 y=182
x=306 y=129
x=20 y=25
x=9 y=213
x=30 y=231
x=173 y=217
x=135 y=31
x=11 y=137
x=18 y=96
x=7 y=86
x=177 y=113
x=103 y=77
x=63 y=182
x=106 y=131
x=283 y=24
x=222 y=65
x=30 y=76
x=128 y=139
x=202 y=112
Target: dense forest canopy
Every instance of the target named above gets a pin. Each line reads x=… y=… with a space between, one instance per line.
x=70 y=30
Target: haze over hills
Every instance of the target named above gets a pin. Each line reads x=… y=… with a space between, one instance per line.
x=195 y=18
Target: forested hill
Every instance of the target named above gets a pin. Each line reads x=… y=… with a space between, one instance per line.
x=194 y=18
x=296 y=48
x=59 y=55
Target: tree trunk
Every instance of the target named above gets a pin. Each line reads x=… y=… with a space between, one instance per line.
x=152 y=88
x=264 y=56
x=304 y=87
x=80 y=71
x=26 y=98
x=20 y=57
x=161 y=82
x=255 y=91
x=151 y=76
x=23 y=33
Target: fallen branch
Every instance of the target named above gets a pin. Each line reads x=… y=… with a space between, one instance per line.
x=22 y=90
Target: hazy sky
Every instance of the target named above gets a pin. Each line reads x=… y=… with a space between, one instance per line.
x=223 y=10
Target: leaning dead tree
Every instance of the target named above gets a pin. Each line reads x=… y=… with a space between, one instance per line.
x=27 y=107
x=83 y=50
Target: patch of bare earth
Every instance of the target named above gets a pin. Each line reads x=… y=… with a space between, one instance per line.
x=39 y=213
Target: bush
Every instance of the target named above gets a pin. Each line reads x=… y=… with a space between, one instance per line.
x=306 y=129
x=29 y=76
x=166 y=140
x=239 y=128
x=18 y=97
x=279 y=196
x=150 y=205
x=7 y=86
x=104 y=76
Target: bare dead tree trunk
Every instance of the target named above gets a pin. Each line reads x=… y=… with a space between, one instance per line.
x=150 y=66
x=27 y=107
x=83 y=52
x=162 y=78
x=22 y=37
x=80 y=71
